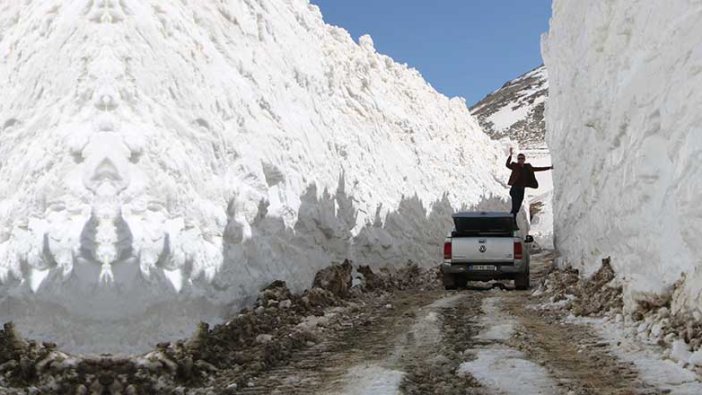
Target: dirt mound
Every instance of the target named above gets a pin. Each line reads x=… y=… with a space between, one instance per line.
x=409 y=276
x=335 y=279
x=594 y=296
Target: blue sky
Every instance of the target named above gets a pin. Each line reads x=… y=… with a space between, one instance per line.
x=464 y=48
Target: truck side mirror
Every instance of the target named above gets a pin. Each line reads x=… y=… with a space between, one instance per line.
x=529 y=239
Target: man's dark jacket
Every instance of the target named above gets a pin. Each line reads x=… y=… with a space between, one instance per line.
x=523 y=176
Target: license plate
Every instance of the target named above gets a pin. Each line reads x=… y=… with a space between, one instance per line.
x=483 y=268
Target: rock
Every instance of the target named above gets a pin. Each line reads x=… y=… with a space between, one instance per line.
x=656 y=330
x=286 y=304
x=663 y=312
x=319 y=297
x=335 y=279
x=264 y=338
x=669 y=338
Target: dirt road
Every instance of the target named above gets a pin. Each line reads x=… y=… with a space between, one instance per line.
x=482 y=340
x=401 y=334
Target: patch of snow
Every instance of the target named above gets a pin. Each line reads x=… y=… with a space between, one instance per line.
x=654 y=369
x=556 y=305
x=371 y=380
x=508 y=371
x=499 y=367
x=505 y=117
x=696 y=358
x=625 y=132
x=497 y=326
x=680 y=351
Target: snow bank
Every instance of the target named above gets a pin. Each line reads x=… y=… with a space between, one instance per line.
x=625 y=132
x=161 y=161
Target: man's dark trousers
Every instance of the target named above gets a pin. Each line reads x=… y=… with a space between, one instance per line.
x=517 y=194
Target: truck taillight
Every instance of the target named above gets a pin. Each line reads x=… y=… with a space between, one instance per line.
x=447 y=250
x=518 y=251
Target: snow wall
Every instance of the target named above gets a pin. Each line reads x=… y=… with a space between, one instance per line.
x=625 y=131
x=161 y=161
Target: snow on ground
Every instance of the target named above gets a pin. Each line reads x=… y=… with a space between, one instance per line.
x=161 y=161
x=500 y=367
x=497 y=326
x=625 y=132
x=664 y=374
x=373 y=380
x=509 y=372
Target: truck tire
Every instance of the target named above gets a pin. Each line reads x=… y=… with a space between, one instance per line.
x=461 y=281
x=521 y=282
x=449 y=281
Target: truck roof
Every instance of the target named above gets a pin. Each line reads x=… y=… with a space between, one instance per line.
x=482 y=214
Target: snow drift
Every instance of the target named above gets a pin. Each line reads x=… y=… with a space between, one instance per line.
x=161 y=161
x=625 y=132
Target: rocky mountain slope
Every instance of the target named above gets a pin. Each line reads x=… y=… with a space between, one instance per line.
x=516 y=110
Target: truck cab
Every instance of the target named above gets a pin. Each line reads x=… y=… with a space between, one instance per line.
x=485 y=246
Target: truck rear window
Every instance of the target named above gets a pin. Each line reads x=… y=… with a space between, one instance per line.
x=501 y=226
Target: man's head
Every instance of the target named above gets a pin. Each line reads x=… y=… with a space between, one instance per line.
x=521 y=158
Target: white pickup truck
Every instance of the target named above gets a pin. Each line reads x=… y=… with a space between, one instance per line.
x=485 y=246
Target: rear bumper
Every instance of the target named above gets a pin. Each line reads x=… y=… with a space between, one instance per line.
x=502 y=272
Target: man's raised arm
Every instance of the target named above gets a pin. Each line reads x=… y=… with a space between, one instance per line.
x=509 y=159
x=542 y=168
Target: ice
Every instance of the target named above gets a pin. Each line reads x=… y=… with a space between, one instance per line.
x=161 y=161
x=624 y=131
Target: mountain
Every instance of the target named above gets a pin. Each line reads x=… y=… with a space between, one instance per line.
x=160 y=162
x=517 y=109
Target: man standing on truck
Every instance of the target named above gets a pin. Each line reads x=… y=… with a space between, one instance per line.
x=522 y=177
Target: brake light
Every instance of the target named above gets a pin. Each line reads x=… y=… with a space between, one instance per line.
x=447 y=250
x=518 y=251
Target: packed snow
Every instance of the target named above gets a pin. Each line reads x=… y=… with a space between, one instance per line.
x=161 y=161
x=625 y=132
x=498 y=366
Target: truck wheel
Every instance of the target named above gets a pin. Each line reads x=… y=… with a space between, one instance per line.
x=461 y=281
x=449 y=281
x=521 y=282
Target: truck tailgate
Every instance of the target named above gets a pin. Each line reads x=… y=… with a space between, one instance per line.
x=482 y=249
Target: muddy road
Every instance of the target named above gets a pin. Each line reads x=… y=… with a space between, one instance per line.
x=487 y=339
x=401 y=334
